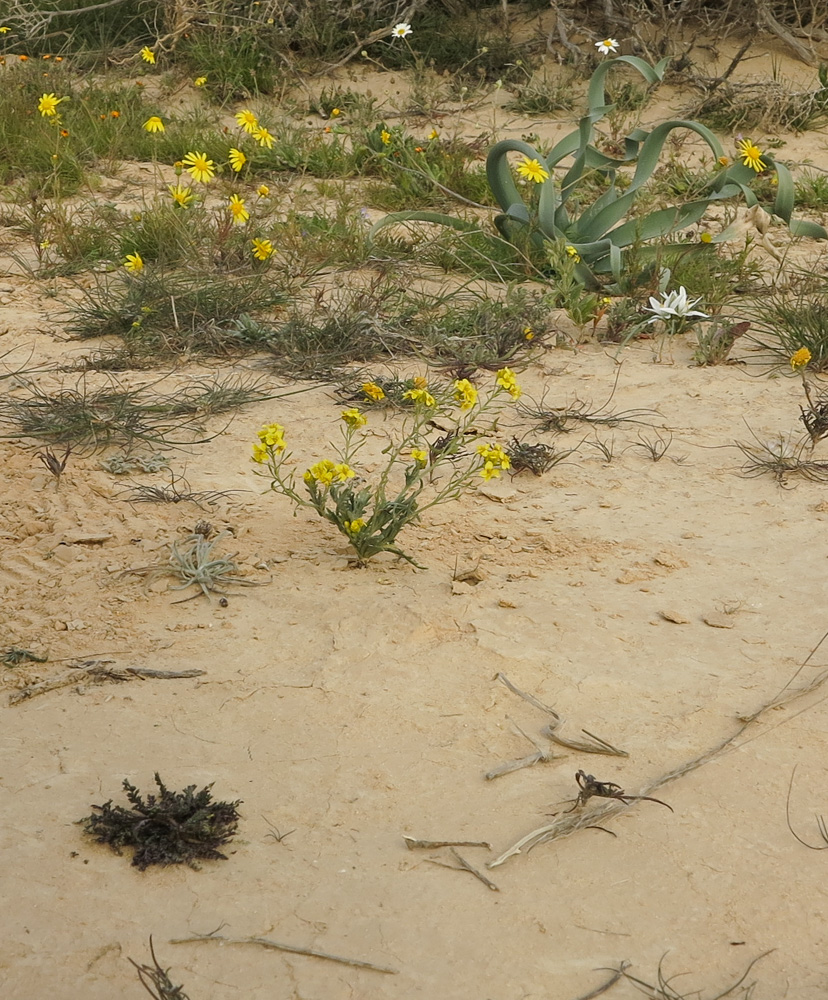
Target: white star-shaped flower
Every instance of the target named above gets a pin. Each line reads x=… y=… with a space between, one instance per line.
x=401 y=30
x=608 y=45
x=674 y=304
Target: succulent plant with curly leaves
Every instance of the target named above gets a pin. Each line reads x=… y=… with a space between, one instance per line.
x=601 y=232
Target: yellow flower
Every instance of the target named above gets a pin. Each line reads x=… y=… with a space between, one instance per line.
x=201 y=169
x=420 y=456
x=325 y=472
x=434 y=134
x=4 y=29
x=465 y=393
x=706 y=238
x=528 y=333
x=373 y=391
x=154 y=124
x=199 y=81
x=133 y=263
x=262 y=249
x=506 y=380
x=322 y=472
x=180 y=195
x=494 y=458
x=259 y=453
x=262 y=136
x=420 y=396
x=386 y=137
x=273 y=435
x=353 y=418
x=573 y=253
x=532 y=170
x=240 y=213
x=47 y=105
x=354 y=527
x=148 y=55
x=800 y=358
x=237 y=159
x=263 y=190
x=247 y=120
x=335 y=112
x=723 y=161
x=751 y=155
x=420 y=382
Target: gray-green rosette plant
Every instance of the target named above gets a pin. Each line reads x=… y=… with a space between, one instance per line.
x=600 y=232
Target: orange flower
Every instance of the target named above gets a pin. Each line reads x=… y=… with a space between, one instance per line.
x=63 y=133
x=115 y=114
x=58 y=58
x=23 y=58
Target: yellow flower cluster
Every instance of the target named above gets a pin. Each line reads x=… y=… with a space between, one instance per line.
x=420 y=456
x=420 y=397
x=373 y=391
x=800 y=358
x=353 y=418
x=494 y=460
x=273 y=435
x=465 y=394
x=506 y=380
x=354 y=527
x=326 y=471
x=573 y=253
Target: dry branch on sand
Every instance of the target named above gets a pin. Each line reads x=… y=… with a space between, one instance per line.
x=572 y=822
x=542 y=755
x=96 y=672
x=292 y=948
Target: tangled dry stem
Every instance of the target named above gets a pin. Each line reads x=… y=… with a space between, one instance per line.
x=572 y=822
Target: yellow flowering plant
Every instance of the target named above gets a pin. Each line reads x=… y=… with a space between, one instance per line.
x=371 y=512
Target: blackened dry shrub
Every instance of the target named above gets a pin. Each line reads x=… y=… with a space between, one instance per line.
x=170 y=828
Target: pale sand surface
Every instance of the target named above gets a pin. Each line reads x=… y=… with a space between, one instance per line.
x=356 y=706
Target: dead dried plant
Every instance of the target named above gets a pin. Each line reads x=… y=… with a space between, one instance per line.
x=781 y=457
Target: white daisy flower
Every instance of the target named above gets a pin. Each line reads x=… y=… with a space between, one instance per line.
x=401 y=30
x=608 y=45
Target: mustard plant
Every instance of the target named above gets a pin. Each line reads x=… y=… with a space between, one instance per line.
x=370 y=512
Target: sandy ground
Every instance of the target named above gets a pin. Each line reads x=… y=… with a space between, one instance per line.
x=353 y=707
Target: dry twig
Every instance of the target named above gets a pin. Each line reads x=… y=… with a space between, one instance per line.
x=464 y=866
x=541 y=754
x=294 y=949
x=96 y=672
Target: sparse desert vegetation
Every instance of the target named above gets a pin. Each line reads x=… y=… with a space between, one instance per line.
x=393 y=397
